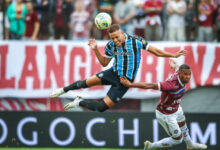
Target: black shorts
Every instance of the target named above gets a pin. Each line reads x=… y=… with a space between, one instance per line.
x=117 y=90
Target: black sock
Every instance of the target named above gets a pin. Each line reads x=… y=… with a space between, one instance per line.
x=76 y=85
x=99 y=106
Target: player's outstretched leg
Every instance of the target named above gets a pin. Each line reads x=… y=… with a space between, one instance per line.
x=147 y=145
x=186 y=137
x=166 y=142
x=197 y=146
x=74 y=86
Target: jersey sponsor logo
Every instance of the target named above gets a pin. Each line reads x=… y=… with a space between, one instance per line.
x=169 y=108
x=177 y=101
x=122 y=53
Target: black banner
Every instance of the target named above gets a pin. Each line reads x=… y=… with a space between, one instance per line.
x=93 y=129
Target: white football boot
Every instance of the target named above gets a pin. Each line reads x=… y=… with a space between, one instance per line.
x=57 y=93
x=195 y=146
x=147 y=145
x=73 y=104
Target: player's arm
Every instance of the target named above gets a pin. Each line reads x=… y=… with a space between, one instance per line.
x=142 y=85
x=104 y=61
x=173 y=65
x=161 y=53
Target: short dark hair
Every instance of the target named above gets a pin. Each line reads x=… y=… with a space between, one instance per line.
x=184 y=66
x=113 y=28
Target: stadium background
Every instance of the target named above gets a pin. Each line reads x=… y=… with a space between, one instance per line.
x=31 y=69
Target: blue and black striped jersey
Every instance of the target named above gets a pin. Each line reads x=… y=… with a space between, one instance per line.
x=127 y=57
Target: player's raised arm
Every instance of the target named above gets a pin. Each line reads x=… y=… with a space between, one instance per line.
x=173 y=65
x=104 y=61
x=161 y=53
x=142 y=85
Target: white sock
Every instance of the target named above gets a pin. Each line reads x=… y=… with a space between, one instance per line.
x=186 y=136
x=166 y=142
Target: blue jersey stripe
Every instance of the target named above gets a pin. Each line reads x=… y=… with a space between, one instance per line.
x=178 y=92
x=130 y=62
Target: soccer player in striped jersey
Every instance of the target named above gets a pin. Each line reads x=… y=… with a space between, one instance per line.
x=169 y=113
x=126 y=52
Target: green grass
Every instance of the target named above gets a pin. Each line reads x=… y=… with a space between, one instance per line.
x=63 y=149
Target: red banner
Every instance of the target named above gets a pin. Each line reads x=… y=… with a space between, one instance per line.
x=33 y=69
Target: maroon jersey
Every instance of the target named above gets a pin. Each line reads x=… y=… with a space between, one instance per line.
x=172 y=92
x=30 y=20
x=208 y=19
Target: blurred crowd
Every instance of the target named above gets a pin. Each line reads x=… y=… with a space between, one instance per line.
x=155 y=20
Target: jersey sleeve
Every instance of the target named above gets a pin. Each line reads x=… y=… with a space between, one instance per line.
x=166 y=86
x=144 y=43
x=36 y=19
x=108 y=51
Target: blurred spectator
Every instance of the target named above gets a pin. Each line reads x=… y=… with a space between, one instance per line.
x=42 y=8
x=190 y=19
x=105 y=6
x=91 y=7
x=139 y=19
x=80 y=22
x=218 y=21
x=164 y=18
x=124 y=13
x=205 y=32
x=153 y=21
x=62 y=11
x=4 y=23
x=176 y=10
x=16 y=13
x=32 y=23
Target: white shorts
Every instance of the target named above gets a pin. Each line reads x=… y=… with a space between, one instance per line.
x=170 y=122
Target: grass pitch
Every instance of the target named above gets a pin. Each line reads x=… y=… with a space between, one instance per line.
x=6 y=148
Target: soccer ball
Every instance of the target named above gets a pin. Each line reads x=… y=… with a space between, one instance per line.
x=103 y=21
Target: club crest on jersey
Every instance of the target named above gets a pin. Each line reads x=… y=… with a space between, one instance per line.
x=176 y=87
x=176 y=131
x=101 y=75
x=123 y=53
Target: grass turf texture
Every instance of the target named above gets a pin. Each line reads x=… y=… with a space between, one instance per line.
x=6 y=148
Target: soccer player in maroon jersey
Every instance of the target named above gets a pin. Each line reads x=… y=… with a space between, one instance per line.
x=169 y=113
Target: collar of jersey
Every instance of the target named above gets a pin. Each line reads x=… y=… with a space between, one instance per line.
x=180 y=80
x=126 y=37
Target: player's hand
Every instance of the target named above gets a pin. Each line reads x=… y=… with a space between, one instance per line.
x=173 y=64
x=93 y=44
x=180 y=53
x=125 y=82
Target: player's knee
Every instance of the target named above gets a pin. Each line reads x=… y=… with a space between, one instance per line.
x=178 y=140
x=82 y=84
x=102 y=107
